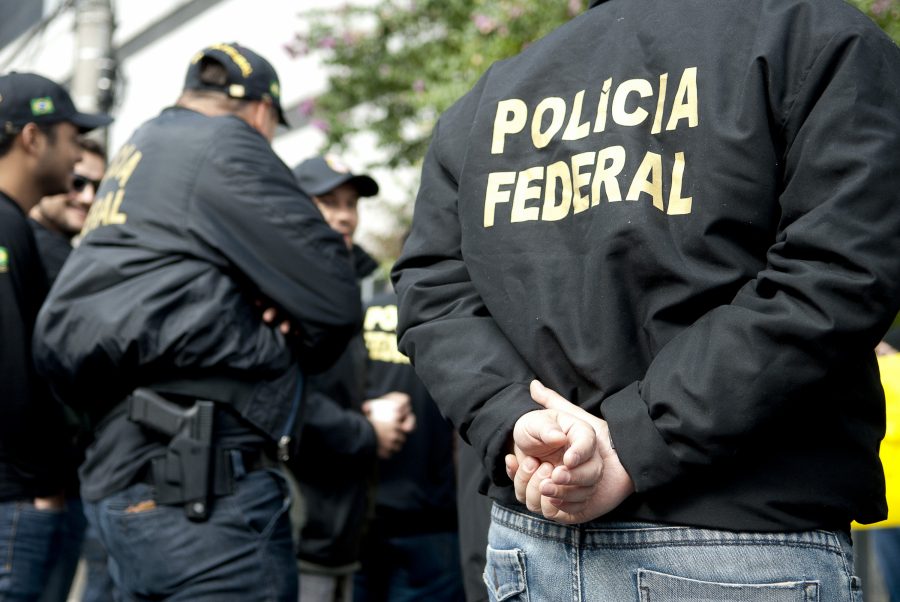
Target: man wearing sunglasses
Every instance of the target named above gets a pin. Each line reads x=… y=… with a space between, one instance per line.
x=57 y=219
x=56 y=222
x=39 y=132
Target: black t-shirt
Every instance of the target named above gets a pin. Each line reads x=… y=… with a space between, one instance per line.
x=416 y=486
x=29 y=420
x=54 y=248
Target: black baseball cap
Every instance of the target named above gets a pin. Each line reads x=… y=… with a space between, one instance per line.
x=250 y=76
x=322 y=174
x=31 y=98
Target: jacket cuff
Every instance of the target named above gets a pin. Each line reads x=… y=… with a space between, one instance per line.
x=641 y=448
x=491 y=431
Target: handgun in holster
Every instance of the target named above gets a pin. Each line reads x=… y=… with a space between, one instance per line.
x=184 y=474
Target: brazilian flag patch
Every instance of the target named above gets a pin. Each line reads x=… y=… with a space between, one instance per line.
x=4 y=260
x=42 y=106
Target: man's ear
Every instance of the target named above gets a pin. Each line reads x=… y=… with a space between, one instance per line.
x=262 y=114
x=32 y=139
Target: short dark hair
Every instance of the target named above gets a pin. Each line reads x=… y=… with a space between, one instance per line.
x=214 y=73
x=9 y=132
x=7 y=135
x=92 y=146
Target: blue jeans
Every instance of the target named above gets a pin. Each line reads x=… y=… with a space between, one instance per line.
x=98 y=585
x=29 y=540
x=242 y=553
x=411 y=568
x=64 y=564
x=529 y=558
x=887 y=554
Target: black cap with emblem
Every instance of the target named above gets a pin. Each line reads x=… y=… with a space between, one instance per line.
x=249 y=76
x=31 y=98
x=319 y=175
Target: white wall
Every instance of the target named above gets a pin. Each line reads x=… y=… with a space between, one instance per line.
x=151 y=78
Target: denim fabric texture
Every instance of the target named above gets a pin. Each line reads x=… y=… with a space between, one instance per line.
x=243 y=552
x=98 y=585
x=887 y=554
x=29 y=538
x=64 y=564
x=534 y=559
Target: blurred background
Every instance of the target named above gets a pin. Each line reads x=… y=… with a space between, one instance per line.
x=365 y=79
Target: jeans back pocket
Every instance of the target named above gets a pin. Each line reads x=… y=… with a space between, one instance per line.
x=504 y=575
x=659 y=587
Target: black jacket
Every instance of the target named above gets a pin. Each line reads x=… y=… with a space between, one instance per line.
x=30 y=423
x=337 y=452
x=682 y=216
x=53 y=247
x=195 y=222
x=416 y=485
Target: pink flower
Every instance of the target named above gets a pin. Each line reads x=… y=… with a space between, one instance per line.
x=306 y=107
x=320 y=125
x=419 y=86
x=574 y=7
x=328 y=42
x=880 y=7
x=484 y=23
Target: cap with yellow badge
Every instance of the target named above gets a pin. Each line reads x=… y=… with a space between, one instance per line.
x=249 y=76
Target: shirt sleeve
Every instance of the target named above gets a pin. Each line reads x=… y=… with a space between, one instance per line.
x=332 y=431
x=459 y=351
x=250 y=208
x=828 y=292
x=31 y=434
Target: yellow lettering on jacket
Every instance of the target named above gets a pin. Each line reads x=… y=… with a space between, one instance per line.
x=495 y=195
x=380 y=334
x=570 y=185
x=107 y=210
x=512 y=115
x=555 y=117
x=556 y=107
x=566 y=188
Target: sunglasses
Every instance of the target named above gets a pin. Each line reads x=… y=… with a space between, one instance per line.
x=79 y=183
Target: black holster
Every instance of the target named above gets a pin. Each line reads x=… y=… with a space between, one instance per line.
x=185 y=475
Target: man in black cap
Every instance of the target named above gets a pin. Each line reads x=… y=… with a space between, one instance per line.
x=39 y=130
x=157 y=321
x=56 y=220
x=336 y=191
x=344 y=439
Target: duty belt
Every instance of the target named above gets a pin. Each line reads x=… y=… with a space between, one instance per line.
x=193 y=471
x=228 y=466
